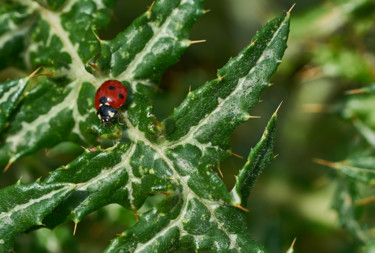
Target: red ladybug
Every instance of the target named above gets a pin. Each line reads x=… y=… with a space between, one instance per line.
x=110 y=95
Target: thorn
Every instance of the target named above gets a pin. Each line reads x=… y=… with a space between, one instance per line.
x=157 y=121
x=236 y=155
x=196 y=41
x=92 y=65
x=96 y=36
x=292 y=246
x=62 y=168
x=254 y=117
x=222 y=77
x=89 y=149
x=253 y=42
x=207 y=11
x=242 y=208
x=291 y=8
x=324 y=162
x=365 y=201
x=275 y=156
x=75 y=228
x=136 y=215
x=35 y=71
x=355 y=91
x=189 y=88
x=221 y=173
x=152 y=5
x=277 y=110
x=7 y=166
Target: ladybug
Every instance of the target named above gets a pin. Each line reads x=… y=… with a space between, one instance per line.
x=110 y=95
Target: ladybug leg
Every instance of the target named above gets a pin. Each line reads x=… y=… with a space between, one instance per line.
x=108 y=124
x=118 y=119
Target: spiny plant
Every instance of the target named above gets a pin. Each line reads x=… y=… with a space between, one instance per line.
x=354 y=172
x=175 y=158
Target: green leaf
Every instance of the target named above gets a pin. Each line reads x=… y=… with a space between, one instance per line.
x=65 y=42
x=10 y=93
x=15 y=21
x=358 y=109
x=259 y=158
x=359 y=166
x=24 y=206
x=344 y=203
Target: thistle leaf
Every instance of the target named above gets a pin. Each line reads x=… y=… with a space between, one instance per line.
x=24 y=206
x=359 y=166
x=259 y=158
x=64 y=41
x=10 y=93
x=176 y=158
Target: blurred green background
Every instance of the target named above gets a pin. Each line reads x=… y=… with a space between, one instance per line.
x=331 y=51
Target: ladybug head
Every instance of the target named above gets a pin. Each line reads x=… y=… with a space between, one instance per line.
x=106 y=113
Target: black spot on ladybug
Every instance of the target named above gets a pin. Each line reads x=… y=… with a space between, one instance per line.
x=111 y=87
x=121 y=96
x=103 y=100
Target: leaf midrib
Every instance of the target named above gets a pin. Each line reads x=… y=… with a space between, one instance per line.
x=193 y=129
x=140 y=136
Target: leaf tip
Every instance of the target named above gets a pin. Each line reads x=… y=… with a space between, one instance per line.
x=354 y=91
x=221 y=173
x=75 y=228
x=365 y=201
x=254 y=117
x=324 y=162
x=241 y=208
x=19 y=181
x=96 y=36
x=221 y=77
x=34 y=72
x=237 y=155
x=291 y=249
x=7 y=166
x=196 y=41
x=150 y=8
x=291 y=8
x=278 y=108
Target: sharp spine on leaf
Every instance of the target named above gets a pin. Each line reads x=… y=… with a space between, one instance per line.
x=278 y=108
x=254 y=117
x=197 y=41
x=291 y=8
x=7 y=166
x=222 y=77
x=221 y=173
x=152 y=5
x=324 y=162
x=34 y=72
x=237 y=155
x=75 y=228
x=241 y=207
x=365 y=201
